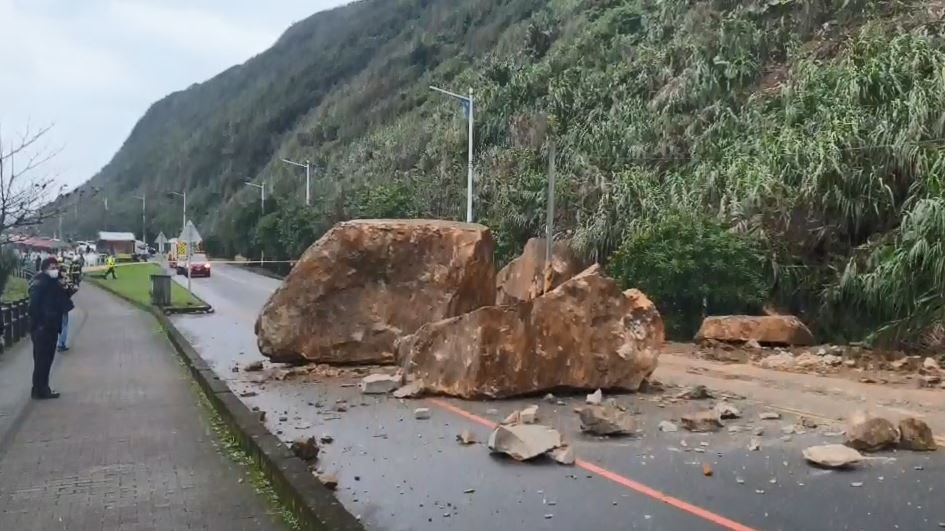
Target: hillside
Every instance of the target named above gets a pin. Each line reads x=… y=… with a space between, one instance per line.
x=722 y=155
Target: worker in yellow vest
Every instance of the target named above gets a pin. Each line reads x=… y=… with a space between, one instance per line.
x=110 y=263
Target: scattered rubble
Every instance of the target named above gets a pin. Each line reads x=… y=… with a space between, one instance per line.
x=595 y=398
x=524 y=441
x=930 y=364
x=254 y=366
x=871 y=434
x=421 y=413
x=697 y=392
x=528 y=276
x=305 y=449
x=336 y=306
x=606 y=420
x=380 y=384
x=916 y=435
x=563 y=455
x=409 y=390
x=727 y=411
x=765 y=329
x=780 y=361
x=466 y=438
x=703 y=421
x=770 y=415
x=667 y=426
x=584 y=334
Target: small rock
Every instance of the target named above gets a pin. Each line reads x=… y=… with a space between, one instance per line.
x=380 y=384
x=550 y=398
x=326 y=439
x=255 y=366
x=871 y=434
x=727 y=411
x=832 y=456
x=563 y=455
x=469 y=491
x=821 y=351
x=856 y=484
x=807 y=422
x=704 y=421
x=850 y=363
x=769 y=415
x=606 y=420
x=916 y=435
x=753 y=344
x=529 y=415
x=410 y=390
x=930 y=364
x=698 y=392
x=330 y=481
x=734 y=429
x=492 y=411
x=514 y=417
x=524 y=441
x=706 y=469
x=595 y=398
x=929 y=380
x=754 y=445
x=899 y=364
x=788 y=430
x=832 y=360
x=421 y=413
x=466 y=437
x=248 y=394
x=781 y=361
x=305 y=449
x=668 y=426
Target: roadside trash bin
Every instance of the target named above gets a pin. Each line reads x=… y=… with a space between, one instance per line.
x=161 y=290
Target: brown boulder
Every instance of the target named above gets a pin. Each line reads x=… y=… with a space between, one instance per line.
x=871 y=434
x=528 y=276
x=765 y=329
x=367 y=282
x=916 y=435
x=584 y=334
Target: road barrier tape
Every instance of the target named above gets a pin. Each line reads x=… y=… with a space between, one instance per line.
x=100 y=267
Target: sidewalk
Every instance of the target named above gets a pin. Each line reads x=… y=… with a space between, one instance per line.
x=126 y=447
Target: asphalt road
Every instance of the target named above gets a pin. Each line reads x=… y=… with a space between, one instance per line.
x=400 y=473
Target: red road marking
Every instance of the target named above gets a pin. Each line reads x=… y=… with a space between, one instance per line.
x=694 y=510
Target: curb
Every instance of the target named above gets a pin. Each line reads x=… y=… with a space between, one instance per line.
x=312 y=503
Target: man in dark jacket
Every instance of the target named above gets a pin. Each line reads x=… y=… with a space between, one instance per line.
x=48 y=301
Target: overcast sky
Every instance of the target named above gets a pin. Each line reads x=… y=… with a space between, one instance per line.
x=92 y=67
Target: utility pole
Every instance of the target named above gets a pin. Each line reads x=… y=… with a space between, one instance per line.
x=308 y=178
x=144 y=205
x=183 y=195
x=262 y=206
x=470 y=107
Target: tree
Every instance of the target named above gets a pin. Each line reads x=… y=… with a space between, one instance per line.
x=24 y=188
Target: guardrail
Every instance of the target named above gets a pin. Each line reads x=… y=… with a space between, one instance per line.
x=16 y=319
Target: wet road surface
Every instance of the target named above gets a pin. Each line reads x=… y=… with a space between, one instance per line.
x=400 y=473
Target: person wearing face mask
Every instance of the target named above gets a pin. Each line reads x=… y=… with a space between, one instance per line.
x=48 y=301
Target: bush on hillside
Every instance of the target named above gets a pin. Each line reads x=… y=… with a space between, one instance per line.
x=689 y=267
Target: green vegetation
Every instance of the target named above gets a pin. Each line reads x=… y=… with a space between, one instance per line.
x=134 y=282
x=16 y=289
x=810 y=130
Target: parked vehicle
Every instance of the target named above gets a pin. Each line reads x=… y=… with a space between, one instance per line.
x=199 y=266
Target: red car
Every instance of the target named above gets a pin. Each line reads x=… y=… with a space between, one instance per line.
x=199 y=266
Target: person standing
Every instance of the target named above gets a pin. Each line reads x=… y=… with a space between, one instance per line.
x=76 y=271
x=69 y=288
x=110 y=262
x=47 y=302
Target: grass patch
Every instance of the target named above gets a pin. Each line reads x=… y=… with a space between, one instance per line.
x=17 y=288
x=134 y=282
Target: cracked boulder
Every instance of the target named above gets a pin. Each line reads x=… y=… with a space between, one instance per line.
x=916 y=435
x=529 y=275
x=606 y=420
x=584 y=334
x=764 y=329
x=871 y=434
x=367 y=282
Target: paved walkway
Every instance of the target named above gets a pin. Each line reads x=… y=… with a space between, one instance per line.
x=126 y=447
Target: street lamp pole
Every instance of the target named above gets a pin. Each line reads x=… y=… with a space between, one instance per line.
x=262 y=201
x=183 y=196
x=308 y=178
x=467 y=100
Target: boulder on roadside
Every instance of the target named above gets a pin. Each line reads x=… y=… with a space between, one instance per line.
x=724 y=410
x=703 y=421
x=305 y=449
x=916 y=435
x=765 y=329
x=584 y=334
x=529 y=276
x=380 y=384
x=832 y=456
x=871 y=434
x=524 y=441
x=606 y=420
x=367 y=282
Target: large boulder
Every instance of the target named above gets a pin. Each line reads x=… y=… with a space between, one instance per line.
x=529 y=276
x=765 y=329
x=367 y=282
x=584 y=334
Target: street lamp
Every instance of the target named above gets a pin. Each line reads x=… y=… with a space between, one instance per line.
x=262 y=200
x=468 y=103
x=144 y=205
x=308 y=178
